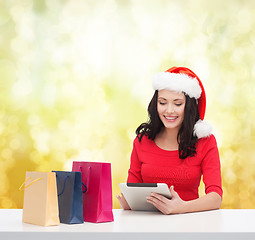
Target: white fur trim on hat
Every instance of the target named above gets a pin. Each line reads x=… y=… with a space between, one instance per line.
x=202 y=129
x=178 y=82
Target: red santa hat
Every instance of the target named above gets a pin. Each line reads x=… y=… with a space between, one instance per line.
x=181 y=79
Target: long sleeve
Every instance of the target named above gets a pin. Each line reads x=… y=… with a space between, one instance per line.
x=134 y=172
x=211 y=168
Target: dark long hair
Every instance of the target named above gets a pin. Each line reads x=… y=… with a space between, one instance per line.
x=185 y=138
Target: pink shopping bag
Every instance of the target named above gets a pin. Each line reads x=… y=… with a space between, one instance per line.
x=97 y=201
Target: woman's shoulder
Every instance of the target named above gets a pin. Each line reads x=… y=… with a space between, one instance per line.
x=207 y=142
x=142 y=140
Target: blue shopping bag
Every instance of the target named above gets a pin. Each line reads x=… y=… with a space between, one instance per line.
x=69 y=186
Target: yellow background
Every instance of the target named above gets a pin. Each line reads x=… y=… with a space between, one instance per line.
x=75 y=82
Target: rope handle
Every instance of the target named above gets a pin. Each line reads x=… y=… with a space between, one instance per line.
x=22 y=188
x=88 y=178
x=86 y=189
x=63 y=186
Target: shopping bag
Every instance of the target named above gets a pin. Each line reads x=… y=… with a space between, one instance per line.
x=70 y=203
x=40 y=204
x=97 y=201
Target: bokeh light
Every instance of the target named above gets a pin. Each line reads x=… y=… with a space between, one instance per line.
x=75 y=82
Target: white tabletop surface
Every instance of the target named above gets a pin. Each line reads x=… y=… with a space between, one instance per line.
x=224 y=223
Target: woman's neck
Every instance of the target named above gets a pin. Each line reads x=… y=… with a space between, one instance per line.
x=170 y=134
x=167 y=139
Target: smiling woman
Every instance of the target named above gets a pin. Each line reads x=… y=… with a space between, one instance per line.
x=171 y=108
x=176 y=147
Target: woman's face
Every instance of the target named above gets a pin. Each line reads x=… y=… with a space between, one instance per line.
x=171 y=108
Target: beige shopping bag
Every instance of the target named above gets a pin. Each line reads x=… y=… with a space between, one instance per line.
x=40 y=205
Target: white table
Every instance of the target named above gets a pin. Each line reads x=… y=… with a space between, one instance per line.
x=219 y=224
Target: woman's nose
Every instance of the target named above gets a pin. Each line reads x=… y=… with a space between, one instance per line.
x=170 y=109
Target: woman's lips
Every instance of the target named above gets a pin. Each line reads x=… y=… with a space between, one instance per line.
x=170 y=119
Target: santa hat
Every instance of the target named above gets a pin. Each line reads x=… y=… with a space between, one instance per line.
x=181 y=79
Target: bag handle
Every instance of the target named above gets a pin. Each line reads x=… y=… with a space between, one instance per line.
x=88 y=178
x=86 y=189
x=22 y=188
x=63 y=186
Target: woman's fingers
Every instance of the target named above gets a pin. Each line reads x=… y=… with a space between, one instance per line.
x=165 y=205
x=159 y=197
x=157 y=203
x=174 y=193
x=123 y=202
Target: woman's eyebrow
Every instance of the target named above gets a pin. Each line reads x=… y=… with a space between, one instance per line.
x=162 y=98
x=178 y=99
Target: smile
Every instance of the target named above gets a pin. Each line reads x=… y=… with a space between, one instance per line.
x=171 y=119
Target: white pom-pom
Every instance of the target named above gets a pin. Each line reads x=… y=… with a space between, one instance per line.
x=202 y=129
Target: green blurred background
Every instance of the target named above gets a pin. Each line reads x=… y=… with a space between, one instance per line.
x=75 y=82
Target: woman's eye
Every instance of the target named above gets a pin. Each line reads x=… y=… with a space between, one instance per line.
x=178 y=104
x=162 y=103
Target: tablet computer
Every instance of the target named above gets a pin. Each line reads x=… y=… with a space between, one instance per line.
x=136 y=193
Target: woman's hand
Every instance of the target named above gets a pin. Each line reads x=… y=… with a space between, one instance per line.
x=165 y=205
x=123 y=202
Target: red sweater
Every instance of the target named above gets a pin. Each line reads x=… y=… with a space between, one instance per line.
x=151 y=164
